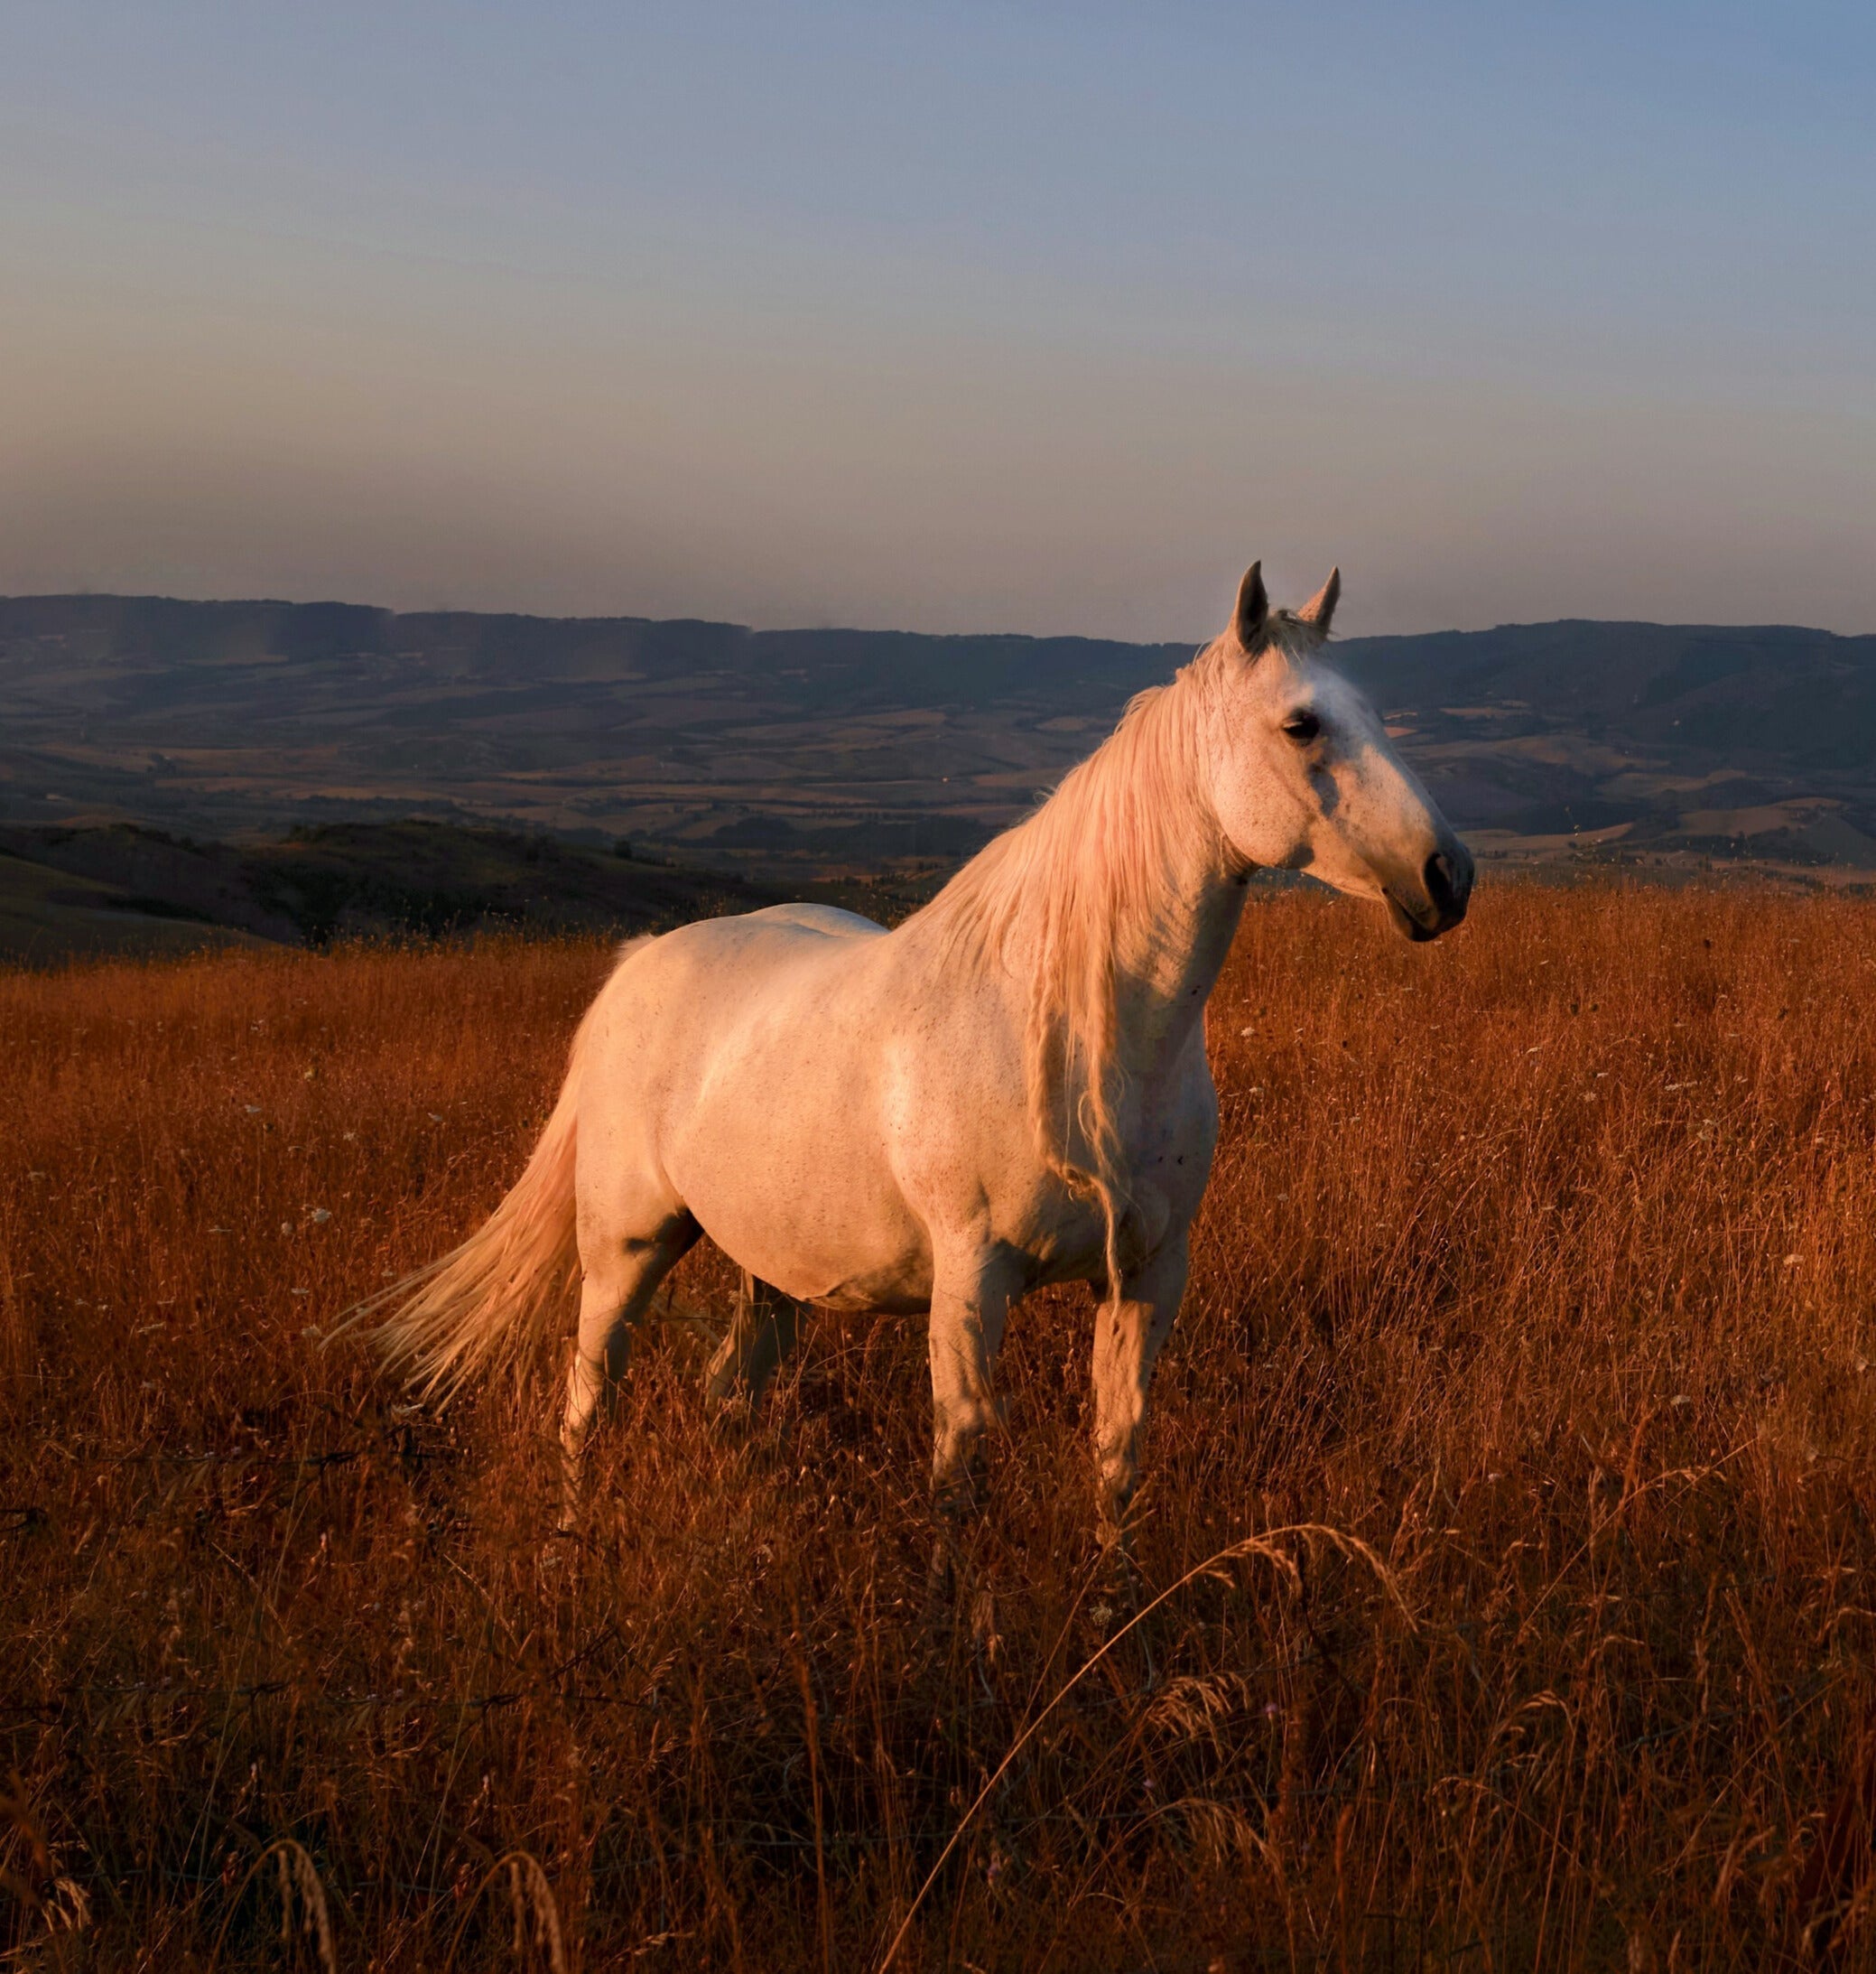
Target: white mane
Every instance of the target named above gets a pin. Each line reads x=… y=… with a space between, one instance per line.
x=1083 y=895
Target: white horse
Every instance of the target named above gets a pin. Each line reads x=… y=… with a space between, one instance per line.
x=1010 y=1088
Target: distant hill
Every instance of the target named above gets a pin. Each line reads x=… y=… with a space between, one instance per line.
x=117 y=888
x=1722 y=741
x=785 y=754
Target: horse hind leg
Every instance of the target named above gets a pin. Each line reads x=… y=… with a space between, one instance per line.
x=619 y=1275
x=762 y=1336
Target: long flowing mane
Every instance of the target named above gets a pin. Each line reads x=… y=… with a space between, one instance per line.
x=1084 y=894
x=1073 y=896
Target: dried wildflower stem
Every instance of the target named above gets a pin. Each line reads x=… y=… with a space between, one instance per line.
x=1262 y=1546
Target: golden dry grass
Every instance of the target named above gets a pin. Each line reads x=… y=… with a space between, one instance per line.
x=1540 y=1262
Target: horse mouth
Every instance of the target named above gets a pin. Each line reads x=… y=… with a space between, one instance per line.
x=1409 y=923
x=1446 y=886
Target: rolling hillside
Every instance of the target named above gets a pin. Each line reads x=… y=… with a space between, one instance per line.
x=117 y=888
x=792 y=754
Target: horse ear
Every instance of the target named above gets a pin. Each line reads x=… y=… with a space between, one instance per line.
x=1253 y=608
x=1321 y=607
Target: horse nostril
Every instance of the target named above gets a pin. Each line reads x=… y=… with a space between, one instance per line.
x=1445 y=886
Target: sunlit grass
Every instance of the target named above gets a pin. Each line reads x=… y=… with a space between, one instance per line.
x=1540 y=1263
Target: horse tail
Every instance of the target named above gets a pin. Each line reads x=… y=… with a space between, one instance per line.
x=508 y=1285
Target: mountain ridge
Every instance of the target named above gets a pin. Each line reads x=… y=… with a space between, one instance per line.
x=772 y=752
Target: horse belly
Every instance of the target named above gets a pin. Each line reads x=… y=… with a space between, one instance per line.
x=782 y=1159
x=830 y=1234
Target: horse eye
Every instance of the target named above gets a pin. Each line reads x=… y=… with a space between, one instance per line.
x=1302 y=728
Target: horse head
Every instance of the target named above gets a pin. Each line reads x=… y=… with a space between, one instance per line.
x=1302 y=776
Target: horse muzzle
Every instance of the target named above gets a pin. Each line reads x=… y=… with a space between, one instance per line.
x=1433 y=901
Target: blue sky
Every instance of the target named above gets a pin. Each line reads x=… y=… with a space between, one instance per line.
x=1027 y=317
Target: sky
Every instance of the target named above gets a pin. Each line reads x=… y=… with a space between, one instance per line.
x=1022 y=317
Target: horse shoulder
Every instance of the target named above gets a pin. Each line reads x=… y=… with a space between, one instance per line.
x=951 y=1076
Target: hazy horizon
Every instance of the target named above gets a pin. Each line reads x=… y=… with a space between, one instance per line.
x=1012 y=319
x=793 y=628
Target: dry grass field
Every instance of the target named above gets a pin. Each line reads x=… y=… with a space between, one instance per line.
x=1532 y=1309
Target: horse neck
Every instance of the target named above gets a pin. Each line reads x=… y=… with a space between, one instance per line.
x=1110 y=913
x=1142 y=880
x=1168 y=966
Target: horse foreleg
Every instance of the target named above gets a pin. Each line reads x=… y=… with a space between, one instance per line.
x=620 y=1277
x=970 y=1304
x=762 y=1336
x=1127 y=1334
